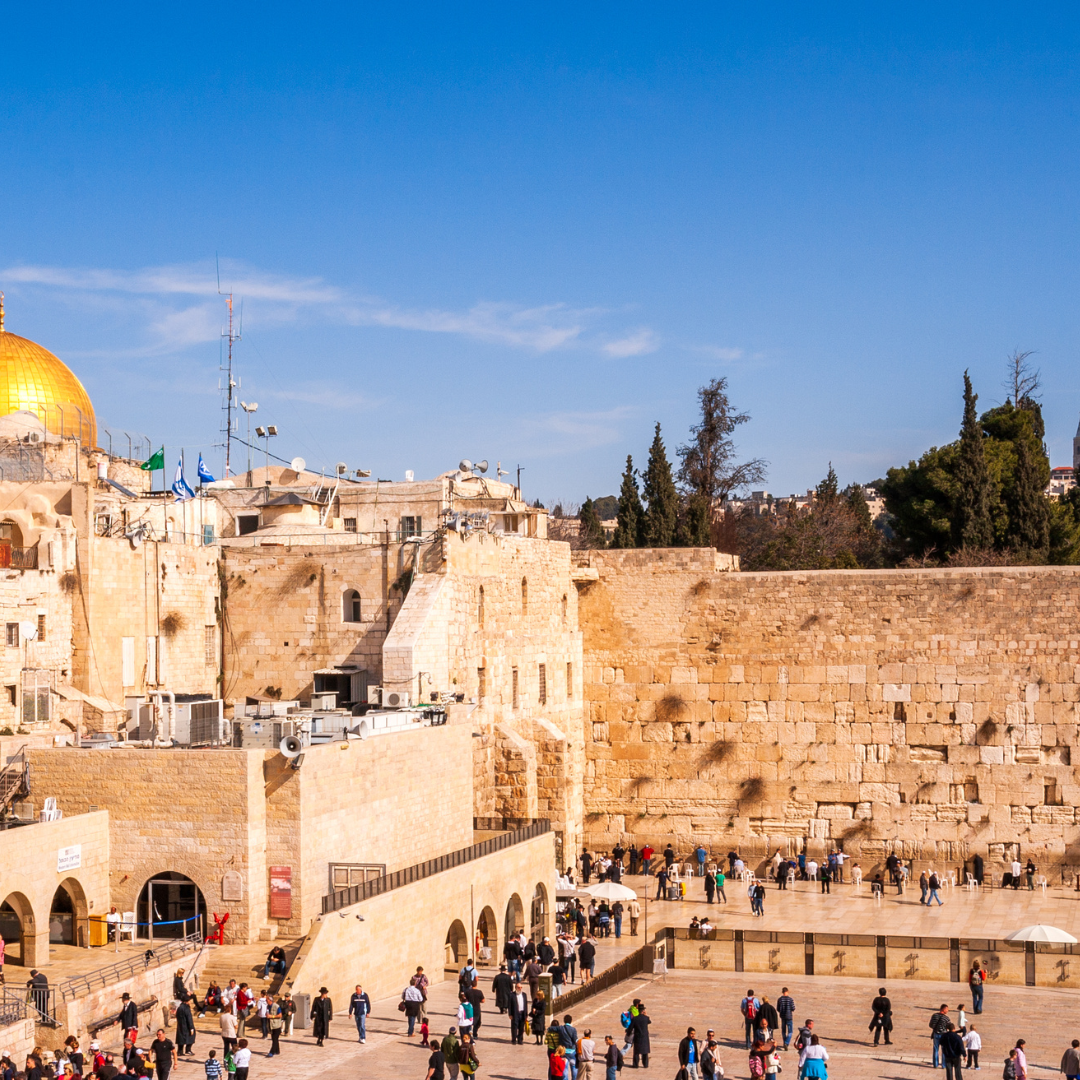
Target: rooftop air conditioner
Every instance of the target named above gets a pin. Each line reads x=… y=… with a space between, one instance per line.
x=396 y=699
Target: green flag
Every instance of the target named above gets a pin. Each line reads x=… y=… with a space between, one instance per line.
x=157 y=461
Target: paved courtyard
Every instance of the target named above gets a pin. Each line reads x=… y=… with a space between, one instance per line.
x=1047 y=1019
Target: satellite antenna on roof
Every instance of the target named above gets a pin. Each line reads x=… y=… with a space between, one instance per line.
x=298 y=464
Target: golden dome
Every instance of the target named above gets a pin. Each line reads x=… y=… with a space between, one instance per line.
x=31 y=378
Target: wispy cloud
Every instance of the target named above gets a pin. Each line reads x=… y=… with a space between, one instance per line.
x=636 y=344
x=178 y=308
x=720 y=352
x=325 y=397
x=556 y=433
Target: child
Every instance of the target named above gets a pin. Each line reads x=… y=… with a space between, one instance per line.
x=973 y=1044
x=424 y=1032
x=1009 y=1072
x=213 y=1067
x=961 y=1019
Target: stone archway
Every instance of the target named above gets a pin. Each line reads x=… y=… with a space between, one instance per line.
x=18 y=929
x=514 y=922
x=457 y=944
x=487 y=938
x=170 y=905
x=68 y=914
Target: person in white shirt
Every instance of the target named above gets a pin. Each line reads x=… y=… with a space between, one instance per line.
x=740 y=866
x=586 y=1048
x=242 y=1058
x=972 y=1044
x=262 y=1008
x=114 y=919
x=840 y=857
x=1016 y=872
x=464 y=1016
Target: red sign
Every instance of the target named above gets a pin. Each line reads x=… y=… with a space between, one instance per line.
x=280 y=892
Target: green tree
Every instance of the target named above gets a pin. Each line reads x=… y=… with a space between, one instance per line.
x=972 y=525
x=661 y=497
x=589 y=529
x=1029 y=508
x=631 y=515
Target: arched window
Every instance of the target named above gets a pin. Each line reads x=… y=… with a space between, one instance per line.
x=480 y=608
x=350 y=606
x=524 y=596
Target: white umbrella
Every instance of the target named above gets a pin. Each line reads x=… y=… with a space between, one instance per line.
x=611 y=890
x=1041 y=932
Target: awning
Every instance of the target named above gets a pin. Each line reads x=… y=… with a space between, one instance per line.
x=70 y=693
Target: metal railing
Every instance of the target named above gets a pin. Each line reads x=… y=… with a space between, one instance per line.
x=32 y=1003
x=634 y=964
x=388 y=882
x=162 y=952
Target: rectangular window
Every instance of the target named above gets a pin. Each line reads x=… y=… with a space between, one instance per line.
x=210 y=645
x=13 y=694
x=207 y=535
x=514 y=682
x=481 y=677
x=41 y=626
x=349 y=524
x=411 y=526
x=127 y=660
x=247 y=523
x=543 y=684
x=569 y=681
x=13 y=635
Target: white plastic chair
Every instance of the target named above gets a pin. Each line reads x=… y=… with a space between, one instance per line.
x=1041 y=882
x=127 y=926
x=972 y=883
x=50 y=811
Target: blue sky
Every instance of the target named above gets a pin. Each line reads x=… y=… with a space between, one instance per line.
x=529 y=233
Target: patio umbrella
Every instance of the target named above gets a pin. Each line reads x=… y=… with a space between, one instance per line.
x=1041 y=932
x=611 y=890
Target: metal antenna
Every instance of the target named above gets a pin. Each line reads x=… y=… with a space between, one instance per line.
x=230 y=384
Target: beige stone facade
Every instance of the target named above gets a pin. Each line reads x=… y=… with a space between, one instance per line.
x=37 y=860
x=928 y=712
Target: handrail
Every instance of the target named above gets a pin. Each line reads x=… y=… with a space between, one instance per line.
x=632 y=964
x=388 y=882
x=161 y=953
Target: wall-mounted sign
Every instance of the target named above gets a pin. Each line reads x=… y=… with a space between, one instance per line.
x=232 y=886
x=280 y=892
x=69 y=858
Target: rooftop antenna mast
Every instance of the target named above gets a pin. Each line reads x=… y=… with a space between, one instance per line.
x=230 y=383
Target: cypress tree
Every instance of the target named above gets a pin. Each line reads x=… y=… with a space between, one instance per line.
x=660 y=496
x=589 y=527
x=631 y=514
x=1029 y=509
x=972 y=526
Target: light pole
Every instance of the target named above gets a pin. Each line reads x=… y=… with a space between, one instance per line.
x=266 y=434
x=249 y=409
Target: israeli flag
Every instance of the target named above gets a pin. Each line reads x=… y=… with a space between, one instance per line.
x=180 y=486
x=204 y=473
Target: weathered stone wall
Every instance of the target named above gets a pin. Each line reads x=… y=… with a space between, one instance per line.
x=930 y=712
x=164 y=591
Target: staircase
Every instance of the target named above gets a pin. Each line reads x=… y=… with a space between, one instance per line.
x=14 y=781
x=245 y=963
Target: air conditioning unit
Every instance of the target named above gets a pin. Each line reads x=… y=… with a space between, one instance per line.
x=389 y=699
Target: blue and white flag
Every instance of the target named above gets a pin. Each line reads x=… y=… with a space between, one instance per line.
x=205 y=476
x=180 y=485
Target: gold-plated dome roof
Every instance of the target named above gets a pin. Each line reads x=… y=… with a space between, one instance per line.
x=32 y=378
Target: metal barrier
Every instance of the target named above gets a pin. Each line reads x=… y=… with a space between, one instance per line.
x=34 y=1003
x=162 y=953
x=388 y=882
x=634 y=964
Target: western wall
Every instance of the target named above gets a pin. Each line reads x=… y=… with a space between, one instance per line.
x=928 y=712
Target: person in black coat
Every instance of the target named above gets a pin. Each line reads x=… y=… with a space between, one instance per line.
x=129 y=1014
x=684 y=1048
x=185 y=1030
x=518 y=1007
x=545 y=953
x=502 y=987
x=322 y=1012
x=639 y=1030
x=882 y=1018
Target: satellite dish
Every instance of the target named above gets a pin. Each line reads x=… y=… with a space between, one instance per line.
x=28 y=631
x=290 y=746
x=298 y=464
x=465 y=465
x=482 y=466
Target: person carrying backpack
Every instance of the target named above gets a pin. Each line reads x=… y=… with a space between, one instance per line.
x=613 y=1058
x=749 y=1008
x=977 y=981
